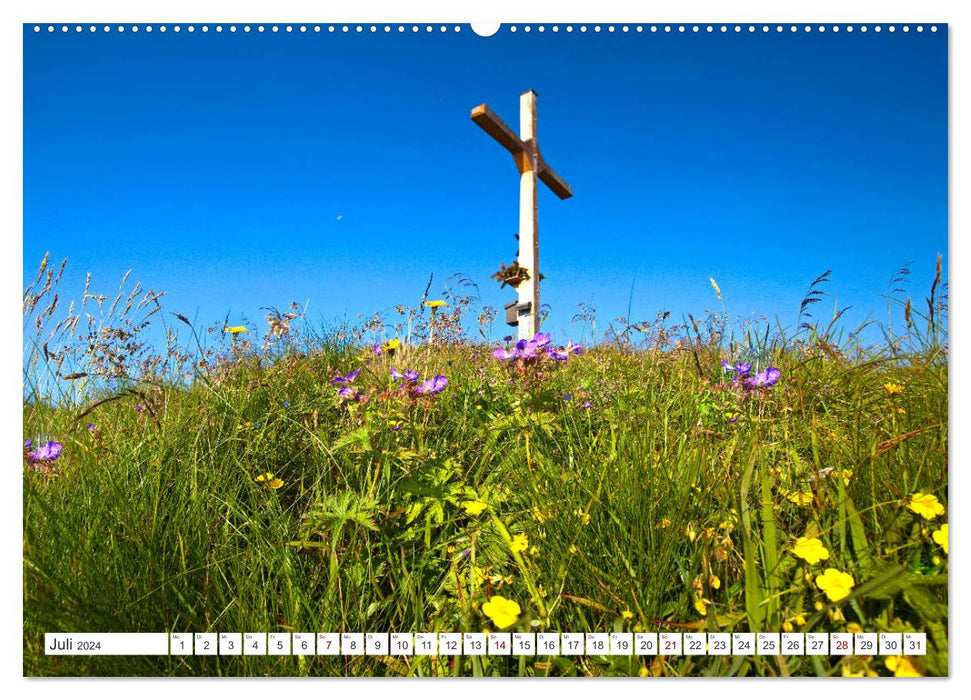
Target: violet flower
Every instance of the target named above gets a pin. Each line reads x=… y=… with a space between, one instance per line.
x=45 y=453
x=376 y=349
x=503 y=354
x=347 y=392
x=91 y=427
x=433 y=386
x=28 y=443
x=411 y=375
x=395 y=374
x=350 y=377
x=765 y=378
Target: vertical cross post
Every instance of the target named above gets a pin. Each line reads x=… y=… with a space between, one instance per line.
x=528 y=256
x=531 y=165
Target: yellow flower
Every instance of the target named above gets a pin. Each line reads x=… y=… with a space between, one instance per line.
x=574 y=549
x=799 y=619
x=540 y=515
x=892 y=388
x=690 y=532
x=901 y=667
x=940 y=536
x=474 y=507
x=854 y=627
x=503 y=612
x=519 y=544
x=585 y=517
x=714 y=582
x=926 y=505
x=435 y=304
x=835 y=584
x=392 y=344
x=269 y=481
x=665 y=522
x=901 y=411
x=235 y=329
x=800 y=498
x=787 y=626
x=848 y=673
x=643 y=672
x=627 y=615
x=810 y=549
x=701 y=605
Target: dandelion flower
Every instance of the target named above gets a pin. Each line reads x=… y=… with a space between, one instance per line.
x=901 y=667
x=926 y=505
x=474 y=507
x=835 y=584
x=435 y=304
x=810 y=549
x=940 y=536
x=502 y=611
x=235 y=330
x=270 y=481
x=520 y=543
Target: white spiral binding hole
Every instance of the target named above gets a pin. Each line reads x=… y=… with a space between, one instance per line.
x=486 y=30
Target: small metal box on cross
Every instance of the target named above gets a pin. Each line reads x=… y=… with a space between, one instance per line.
x=531 y=165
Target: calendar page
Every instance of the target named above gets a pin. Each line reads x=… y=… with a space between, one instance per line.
x=437 y=349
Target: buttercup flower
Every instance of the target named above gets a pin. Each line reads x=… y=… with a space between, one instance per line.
x=627 y=615
x=925 y=505
x=940 y=536
x=901 y=667
x=474 y=507
x=893 y=389
x=810 y=549
x=519 y=544
x=502 y=611
x=270 y=481
x=835 y=584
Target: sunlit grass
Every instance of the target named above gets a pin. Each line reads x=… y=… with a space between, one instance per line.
x=633 y=487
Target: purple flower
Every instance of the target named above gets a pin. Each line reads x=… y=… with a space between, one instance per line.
x=395 y=374
x=541 y=340
x=739 y=368
x=507 y=338
x=91 y=427
x=347 y=392
x=527 y=349
x=586 y=404
x=567 y=397
x=433 y=386
x=765 y=378
x=503 y=354
x=286 y=404
x=45 y=453
x=139 y=408
x=411 y=375
x=558 y=355
x=28 y=443
x=376 y=349
x=351 y=376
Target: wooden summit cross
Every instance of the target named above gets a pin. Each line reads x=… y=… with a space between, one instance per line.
x=529 y=161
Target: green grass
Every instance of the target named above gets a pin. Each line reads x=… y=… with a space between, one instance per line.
x=634 y=508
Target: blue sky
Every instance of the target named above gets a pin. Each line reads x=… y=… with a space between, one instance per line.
x=237 y=171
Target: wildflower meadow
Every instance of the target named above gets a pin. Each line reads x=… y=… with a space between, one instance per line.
x=418 y=472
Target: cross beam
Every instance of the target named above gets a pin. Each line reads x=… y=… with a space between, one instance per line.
x=531 y=165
